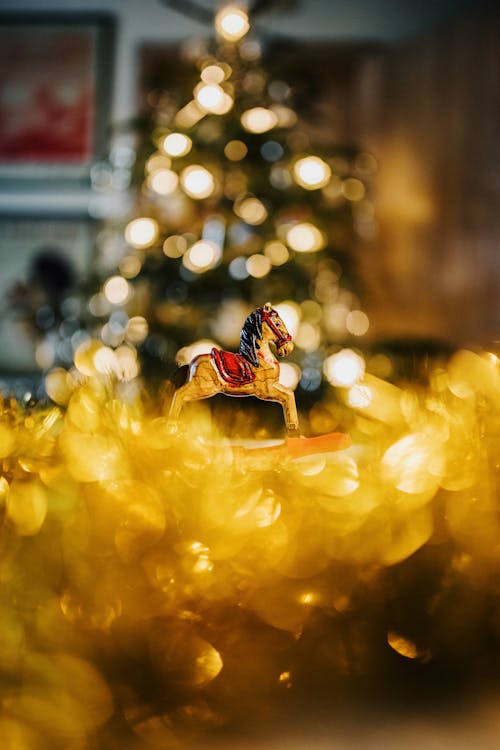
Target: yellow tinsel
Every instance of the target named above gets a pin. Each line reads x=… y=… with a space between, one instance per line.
x=157 y=584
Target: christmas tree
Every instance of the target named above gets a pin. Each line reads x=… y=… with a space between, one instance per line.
x=233 y=207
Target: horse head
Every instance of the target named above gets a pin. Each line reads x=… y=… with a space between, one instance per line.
x=274 y=329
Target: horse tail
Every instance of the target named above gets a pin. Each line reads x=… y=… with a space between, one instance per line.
x=180 y=376
x=174 y=381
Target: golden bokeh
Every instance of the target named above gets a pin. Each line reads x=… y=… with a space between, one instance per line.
x=231 y=22
x=212 y=566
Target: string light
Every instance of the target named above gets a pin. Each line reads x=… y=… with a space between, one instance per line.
x=235 y=150
x=213 y=74
x=258 y=266
x=141 y=233
x=251 y=210
x=212 y=98
x=117 y=290
x=305 y=238
x=344 y=369
x=176 y=144
x=197 y=182
x=202 y=256
x=163 y=181
x=258 y=120
x=232 y=23
x=277 y=252
x=311 y=172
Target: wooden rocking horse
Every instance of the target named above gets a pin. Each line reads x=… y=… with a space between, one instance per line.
x=254 y=371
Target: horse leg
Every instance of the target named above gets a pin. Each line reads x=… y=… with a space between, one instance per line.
x=202 y=383
x=286 y=397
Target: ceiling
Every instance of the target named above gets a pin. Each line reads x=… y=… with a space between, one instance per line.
x=377 y=20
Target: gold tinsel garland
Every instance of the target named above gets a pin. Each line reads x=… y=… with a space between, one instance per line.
x=155 y=585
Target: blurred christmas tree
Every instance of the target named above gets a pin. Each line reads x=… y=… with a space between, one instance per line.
x=233 y=208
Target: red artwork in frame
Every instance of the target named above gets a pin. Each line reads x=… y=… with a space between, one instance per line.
x=54 y=93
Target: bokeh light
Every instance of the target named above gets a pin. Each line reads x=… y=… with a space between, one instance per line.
x=202 y=256
x=175 y=246
x=231 y=22
x=142 y=232
x=277 y=252
x=311 y=172
x=305 y=238
x=258 y=120
x=117 y=290
x=258 y=266
x=163 y=181
x=213 y=74
x=212 y=98
x=197 y=182
x=251 y=210
x=344 y=368
x=289 y=312
x=176 y=144
x=289 y=375
x=357 y=322
x=353 y=189
x=235 y=150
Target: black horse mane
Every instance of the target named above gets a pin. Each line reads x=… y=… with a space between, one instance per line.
x=250 y=333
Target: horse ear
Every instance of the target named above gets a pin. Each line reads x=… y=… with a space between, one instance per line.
x=268 y=307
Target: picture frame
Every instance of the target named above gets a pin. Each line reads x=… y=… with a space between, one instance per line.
x=28 y=244
x=55 y=92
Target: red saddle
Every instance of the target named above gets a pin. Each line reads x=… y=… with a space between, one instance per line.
x=233 y=368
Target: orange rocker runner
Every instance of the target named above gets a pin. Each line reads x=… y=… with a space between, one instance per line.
x=254 y=371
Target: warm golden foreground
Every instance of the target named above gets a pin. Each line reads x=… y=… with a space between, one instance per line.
x=159 y=587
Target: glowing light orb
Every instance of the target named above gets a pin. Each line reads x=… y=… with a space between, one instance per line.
x=258 y=120
x=311 y=172
x=175 y=246
x=353 y=189
x=163 y=181
x=141 y=233
x=344 y=369
x=137 y=329
x=59 y=386
x=130 y=266
x=212 y=98
x=289 y=375
x=251 y=210
x=202 y=256
x=258 y=266
x=308 y=337
x=357 y=322
x=289 y=312
x=176 y=144
x=187 y=353
x=116 y=290
x=213 y=74
x=238 y=268
x=197 y=182
x=232 y=23
x=105 y=360
x=359 y=396
x=127 y=364
x=84 y=356
x=305 y=238
x=235 y=150
x=157 y=161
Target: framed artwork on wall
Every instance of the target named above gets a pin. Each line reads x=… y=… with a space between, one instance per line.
x=55 y=84
x=42 y=259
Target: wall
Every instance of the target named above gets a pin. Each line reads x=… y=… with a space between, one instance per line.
x=429 y=111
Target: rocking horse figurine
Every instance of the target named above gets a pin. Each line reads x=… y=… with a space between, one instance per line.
x=252 y=372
